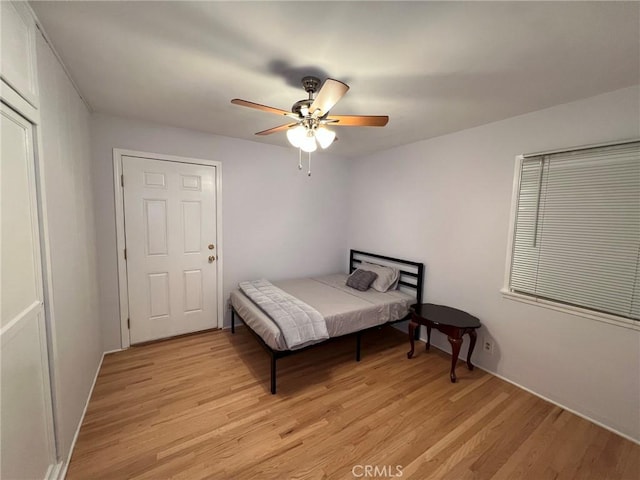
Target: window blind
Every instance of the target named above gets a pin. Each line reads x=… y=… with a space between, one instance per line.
x=577 y=229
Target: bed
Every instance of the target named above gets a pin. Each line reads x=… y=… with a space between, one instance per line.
x=346 y=311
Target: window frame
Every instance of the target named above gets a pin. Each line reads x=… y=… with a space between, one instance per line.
x=543 y=302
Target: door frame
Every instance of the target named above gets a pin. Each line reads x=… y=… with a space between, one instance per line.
x=123 y=288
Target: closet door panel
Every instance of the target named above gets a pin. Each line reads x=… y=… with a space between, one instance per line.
x=21 y=287
x=27 y=447
x=24 y=432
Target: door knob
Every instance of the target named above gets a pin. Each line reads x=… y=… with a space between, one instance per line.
x=212 y=259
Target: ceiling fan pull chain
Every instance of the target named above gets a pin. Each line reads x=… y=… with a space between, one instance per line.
x=299 y=159
x=309 y=172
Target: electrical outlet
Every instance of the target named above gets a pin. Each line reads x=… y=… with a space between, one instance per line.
x=488 y=347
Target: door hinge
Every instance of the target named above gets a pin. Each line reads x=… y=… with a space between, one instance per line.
x=129 y=323
x=122 y=180
x=125 y=253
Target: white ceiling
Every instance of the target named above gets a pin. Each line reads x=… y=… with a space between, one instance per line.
x=433 y=67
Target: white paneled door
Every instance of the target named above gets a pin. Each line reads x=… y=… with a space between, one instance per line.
x=170 y=235
x=27 y=447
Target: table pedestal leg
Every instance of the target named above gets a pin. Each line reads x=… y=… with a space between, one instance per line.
x=455 y=351
x=428 y=337
x=412 y=331
x=473 y=336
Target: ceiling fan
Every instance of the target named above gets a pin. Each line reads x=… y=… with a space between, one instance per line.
x=311 y=116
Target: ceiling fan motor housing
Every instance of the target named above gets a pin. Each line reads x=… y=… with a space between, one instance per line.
x=297 y=107
x=310 y=85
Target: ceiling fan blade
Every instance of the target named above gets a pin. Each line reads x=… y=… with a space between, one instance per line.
x=331 y=91
x=357 y=120
x=276 y=129
x=257 y=106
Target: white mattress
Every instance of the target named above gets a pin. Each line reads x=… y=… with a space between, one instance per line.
x=345 y=309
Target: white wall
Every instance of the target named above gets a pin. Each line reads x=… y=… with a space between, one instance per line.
x=446 y=202
x=277 y=222
x=76 y=334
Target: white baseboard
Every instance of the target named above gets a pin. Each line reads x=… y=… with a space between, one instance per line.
x=568 y=409
x=115 y=350
x=63 y=466
x=54 y=471
x=532 y=392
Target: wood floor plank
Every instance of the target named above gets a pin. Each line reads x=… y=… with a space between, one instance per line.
x=199 y=407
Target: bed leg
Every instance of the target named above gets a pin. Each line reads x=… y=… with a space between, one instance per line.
x=233 y=320
x=358 y=342
x=273 y=374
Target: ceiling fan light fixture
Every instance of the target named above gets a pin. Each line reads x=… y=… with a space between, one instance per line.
x=308 y=144
x=296 y=135
x=325 y=136
x=306 y=128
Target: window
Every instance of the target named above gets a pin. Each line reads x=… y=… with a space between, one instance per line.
x=576 y=236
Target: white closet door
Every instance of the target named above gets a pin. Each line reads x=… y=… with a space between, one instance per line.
x=26 y=425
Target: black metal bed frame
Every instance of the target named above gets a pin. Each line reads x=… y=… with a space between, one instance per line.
x=355 y=258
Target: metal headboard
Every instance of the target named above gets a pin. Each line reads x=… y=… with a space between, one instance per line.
x=411 y=273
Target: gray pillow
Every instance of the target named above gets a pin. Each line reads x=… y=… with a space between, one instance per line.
x=361 y=279
x=388 y=277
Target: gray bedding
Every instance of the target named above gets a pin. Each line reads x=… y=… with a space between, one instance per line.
x=299 y=323
x=344 y=309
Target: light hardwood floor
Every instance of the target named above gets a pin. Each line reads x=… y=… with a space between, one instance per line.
x=199 y=407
